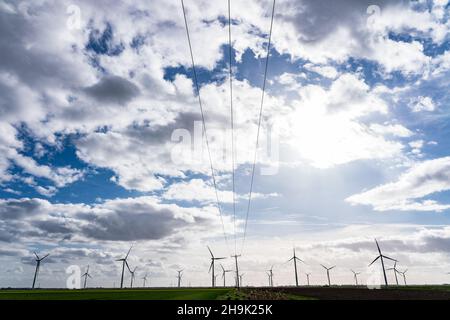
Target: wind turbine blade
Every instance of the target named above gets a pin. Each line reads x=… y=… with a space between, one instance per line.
x=389 y=258
x=222 y=267
x=324 y=266
x=210 y=266
x=221 y=258
x=379 y=250
x=332 y=267
x=126 y=262
x=45 y=256
x=374 y=260
x=299 y=259
x=128 y=252
x=210 y=251
x=290 y=259
x=89 y=276
x=37 y=257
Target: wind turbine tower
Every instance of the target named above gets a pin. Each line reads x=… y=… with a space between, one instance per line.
x=224 y=272
x=395 y=271
x=132 y=275
x=328 y=273
x=295 y=258
x=38 y=265
x=403 y=273
x=86 y=275
x=381 y=257
x=124 y=262
x=355 y=276
x=270 y=273
x=179 y=277
x=145 y=279
x=236 y=256
x=307 y=277
x=211 y=267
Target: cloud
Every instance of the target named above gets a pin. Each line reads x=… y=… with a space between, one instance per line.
x=142 y=218
x=422 y=104
x=396 y=130
x=113 y=89
x=423 y=179
x=321 y=32
x=200 y=191
x=326 y=129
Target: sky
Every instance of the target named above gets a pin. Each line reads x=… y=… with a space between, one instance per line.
x=102 y=145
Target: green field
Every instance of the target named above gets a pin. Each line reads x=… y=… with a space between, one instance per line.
x=116 y=294
x=281 y=293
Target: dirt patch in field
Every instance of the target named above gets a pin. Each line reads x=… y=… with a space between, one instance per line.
x=336 y=293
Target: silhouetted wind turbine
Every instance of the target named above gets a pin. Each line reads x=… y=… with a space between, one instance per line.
x=86 y=275
x=145 y=279
x=381 y=256
x=355 y=275
x=295 y=258
x=240 y=278
x=328 y=273
x=124 y=262
x=307 y=277
x=224 y=272
x=270 y=279
x=179 y=277
x=211 y=267
x=270 y=271
x=132 y=275
x=404 y=275
x=38 y=264
x=236 y=256
x=395 y=271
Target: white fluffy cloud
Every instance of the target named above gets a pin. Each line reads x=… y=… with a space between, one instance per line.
x=422 y=104
x=408 y=192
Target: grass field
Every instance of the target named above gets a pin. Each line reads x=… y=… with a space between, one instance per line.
x=115 y=294
x=285 y=293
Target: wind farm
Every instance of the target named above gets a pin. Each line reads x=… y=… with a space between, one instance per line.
x=240 y=290
x=224 y=150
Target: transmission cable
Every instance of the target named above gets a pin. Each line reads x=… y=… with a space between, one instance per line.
x=204 y=124
x=232 y=122
x=259 y=127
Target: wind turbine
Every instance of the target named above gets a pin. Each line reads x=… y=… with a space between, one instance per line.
x=307 y=277
x=38 y=264
x=404 y=275
x=240 y=278
x=328 y=273
x=224 y=272
x=179 y=277
x=395 y=271
x=145 y=279
x=124 y=262
x=236 y=256
x=270 y=273
x=211 y=267
x=355 y=275
x=295 y=258
x=86 y=275
x=132 y=275
x=381 y=256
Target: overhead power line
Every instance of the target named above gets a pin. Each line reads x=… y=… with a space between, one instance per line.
x=259 y=126
x=232 y=122
x=204 y=123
